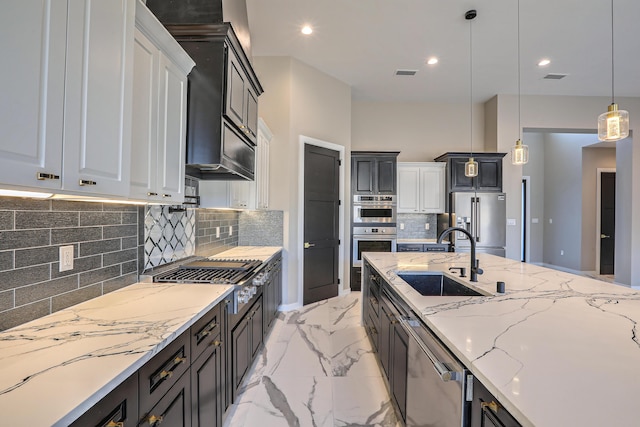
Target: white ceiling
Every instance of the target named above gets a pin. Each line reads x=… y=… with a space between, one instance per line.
x=363 y=42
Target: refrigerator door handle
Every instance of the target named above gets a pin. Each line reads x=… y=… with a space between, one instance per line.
x=477 y=206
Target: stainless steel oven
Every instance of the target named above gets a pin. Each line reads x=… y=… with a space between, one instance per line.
x=374 y=209
x=372 y=239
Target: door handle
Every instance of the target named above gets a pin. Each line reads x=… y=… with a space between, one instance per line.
x=308 y=245
x=604 y=236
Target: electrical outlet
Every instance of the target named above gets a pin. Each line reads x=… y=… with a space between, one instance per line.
x=426 y=225
x=217 y=232
x=66 y=258
x=231 y=230
x=402 y=226
x=561 y=252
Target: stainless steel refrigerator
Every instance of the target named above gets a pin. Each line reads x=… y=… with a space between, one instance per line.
x=484 y=215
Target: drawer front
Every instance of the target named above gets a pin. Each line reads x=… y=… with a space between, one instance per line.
x=410 y=247
x=206 y=330
x=118 y=408
x=158 y=375
x=173 y=408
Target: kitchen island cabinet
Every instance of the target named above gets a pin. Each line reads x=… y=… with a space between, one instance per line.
x=546 y=320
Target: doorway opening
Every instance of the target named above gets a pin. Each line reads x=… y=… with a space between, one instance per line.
x=605 y=221
x=524 y=220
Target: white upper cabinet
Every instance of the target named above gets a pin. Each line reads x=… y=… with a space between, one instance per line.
x=421 y=187
x=66 y=119
x=33 y=46
x=158 y=156
x=98 y=94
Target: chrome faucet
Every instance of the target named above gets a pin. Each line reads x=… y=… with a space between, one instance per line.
x=475 y=265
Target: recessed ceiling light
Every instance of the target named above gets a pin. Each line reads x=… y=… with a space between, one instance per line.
x=307 y=30
x=432 y=61
x=544 y=62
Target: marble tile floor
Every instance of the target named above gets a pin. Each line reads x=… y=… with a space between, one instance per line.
x=317 y=369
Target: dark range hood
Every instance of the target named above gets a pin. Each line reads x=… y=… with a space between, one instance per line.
x=223 y=88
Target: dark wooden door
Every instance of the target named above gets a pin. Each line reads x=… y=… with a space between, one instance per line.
x=321 y=227
x=607 y=221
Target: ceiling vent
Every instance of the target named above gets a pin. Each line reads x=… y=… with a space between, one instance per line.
x=406 y=72
x=555 y=76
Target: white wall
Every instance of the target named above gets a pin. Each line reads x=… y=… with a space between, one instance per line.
x=535 y=171
x=300 y=100
x=572 y=114
x=420 y=132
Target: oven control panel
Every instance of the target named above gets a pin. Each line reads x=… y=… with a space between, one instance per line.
x=373 y=230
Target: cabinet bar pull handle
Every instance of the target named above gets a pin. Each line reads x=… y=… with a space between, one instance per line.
x=42 y=176
x=151 y=193
x=493 y=405
x=153 y=420
x=215 y=343
x=114 y=424
x=84 y=182
x=178 y=360
x=166 y=195
x=166 y=374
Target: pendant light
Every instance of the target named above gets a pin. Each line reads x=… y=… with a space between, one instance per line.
x=519 y=152
x=471 y=166
x=614 y=124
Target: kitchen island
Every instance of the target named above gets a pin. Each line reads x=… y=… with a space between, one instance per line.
x=555 y=349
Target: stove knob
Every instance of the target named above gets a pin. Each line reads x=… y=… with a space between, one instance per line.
x=254 y=290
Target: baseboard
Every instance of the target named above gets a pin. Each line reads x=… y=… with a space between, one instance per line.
x=343 y=292
x=289 y=307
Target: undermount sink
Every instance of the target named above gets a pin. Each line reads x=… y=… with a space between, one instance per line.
x=437 y=284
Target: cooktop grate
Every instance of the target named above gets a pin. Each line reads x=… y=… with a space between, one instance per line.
x=222 y=271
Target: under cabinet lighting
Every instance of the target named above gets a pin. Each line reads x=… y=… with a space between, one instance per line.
x=19 y=193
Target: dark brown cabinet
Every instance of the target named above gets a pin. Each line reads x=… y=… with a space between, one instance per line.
x=246 y=340
x=489 y=172
x=207 y=370
x=381 y=321
x=118 y=408
x=207 y=386
x=486 y=411
x=398 y=375
x=373 y=172
x=173 y=408
x=272 y=292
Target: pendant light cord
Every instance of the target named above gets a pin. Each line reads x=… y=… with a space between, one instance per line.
x=519 y=94
x=471 y=85
x=612 y=69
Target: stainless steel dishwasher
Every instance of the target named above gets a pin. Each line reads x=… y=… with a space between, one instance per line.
x=436 y=381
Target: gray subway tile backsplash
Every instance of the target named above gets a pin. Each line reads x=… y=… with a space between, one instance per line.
x=113 y=243
x=31 y=232
x=24 y=239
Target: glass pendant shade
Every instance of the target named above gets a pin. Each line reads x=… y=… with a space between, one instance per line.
x=471 y=168
x=519 y=153
x=614 y=124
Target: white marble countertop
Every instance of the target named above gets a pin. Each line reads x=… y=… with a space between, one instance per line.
x=556 y=349
x=55 y=368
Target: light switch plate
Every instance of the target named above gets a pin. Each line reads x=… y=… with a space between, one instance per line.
x=511 y=221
